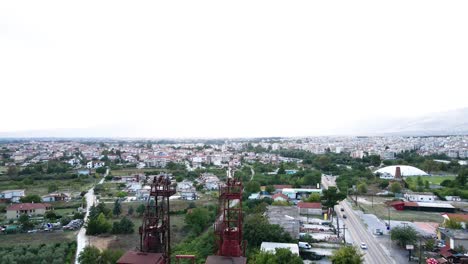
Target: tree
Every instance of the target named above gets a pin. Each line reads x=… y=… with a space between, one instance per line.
x=281 y=256
x=315 y=197
x=50 y=215
x=25 y=222
x=426 y=184
x=453 y=224
x=90 y=255
x=429 y=165
x=109 y=256
x=429 y=245
x=197 y=219
x=140 y=209
x=130 y=210
x=462 y=177
x=322 y=162
x=395 y=187
x=101 y=170
x=252 y=187
x=98 y=225
x=420 y=183
x=331 y=197
x=362 y=188
x=31 y=198
x=257 y=229
x=52 y=187
x=270 y=189
x=347 y=255
x=117 y=208
x=404 y=235
x=124 y=226
x=12 y=171
x=281 y=169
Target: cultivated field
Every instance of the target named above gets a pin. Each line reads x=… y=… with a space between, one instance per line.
x=37 y=238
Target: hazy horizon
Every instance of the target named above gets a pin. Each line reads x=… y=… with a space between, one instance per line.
x=211 y=69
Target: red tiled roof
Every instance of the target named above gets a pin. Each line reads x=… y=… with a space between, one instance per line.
x=309 y=205
x=445 y=251
x=28 y=206
x=280 y=195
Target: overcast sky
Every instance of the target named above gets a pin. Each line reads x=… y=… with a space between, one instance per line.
x=228 y=68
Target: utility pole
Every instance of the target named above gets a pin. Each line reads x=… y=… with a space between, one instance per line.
x=338 y=224
x=344 y=233
x=419 y=260
x=388 y=218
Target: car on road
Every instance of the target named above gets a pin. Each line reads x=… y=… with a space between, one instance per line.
x=304 y=245
x=344 y=216
x=342 y=209
x=363 y=245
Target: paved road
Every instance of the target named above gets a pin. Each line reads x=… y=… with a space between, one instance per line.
x=375 y=254
x=81 y=237
x=328 y=181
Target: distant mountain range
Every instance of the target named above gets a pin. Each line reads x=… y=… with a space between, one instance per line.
x=453 y=122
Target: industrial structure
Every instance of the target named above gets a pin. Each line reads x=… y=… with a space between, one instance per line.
x=228 y=226
x=155 y=231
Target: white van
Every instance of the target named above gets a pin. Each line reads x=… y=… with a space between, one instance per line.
x=304 y=245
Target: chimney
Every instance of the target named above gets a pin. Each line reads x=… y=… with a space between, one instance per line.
x=398 y=173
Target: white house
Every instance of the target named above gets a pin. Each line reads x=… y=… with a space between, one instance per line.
x=12 y=195
x=55 y=197
x=95 y=164
x=420 y=197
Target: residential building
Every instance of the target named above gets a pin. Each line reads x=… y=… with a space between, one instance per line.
x=13 y=196
x=95 y=164
x=56 y=197
x=279 y=197
x=32 y=209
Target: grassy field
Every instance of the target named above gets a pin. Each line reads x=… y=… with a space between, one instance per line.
x=381 y=211
x=433 y=179
x=37 y=238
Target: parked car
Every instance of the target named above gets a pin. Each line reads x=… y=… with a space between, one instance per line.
x=363 y=245
x=342 y=209
x=344 y=216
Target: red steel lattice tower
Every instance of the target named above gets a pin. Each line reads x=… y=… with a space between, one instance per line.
x=228 y=225
x=155 y=230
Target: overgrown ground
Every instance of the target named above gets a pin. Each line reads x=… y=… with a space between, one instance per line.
x=37 y=238
x=40 y=187
x=381 y=210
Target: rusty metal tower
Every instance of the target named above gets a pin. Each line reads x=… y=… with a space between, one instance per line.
x=155 y=230
x=228 y=225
